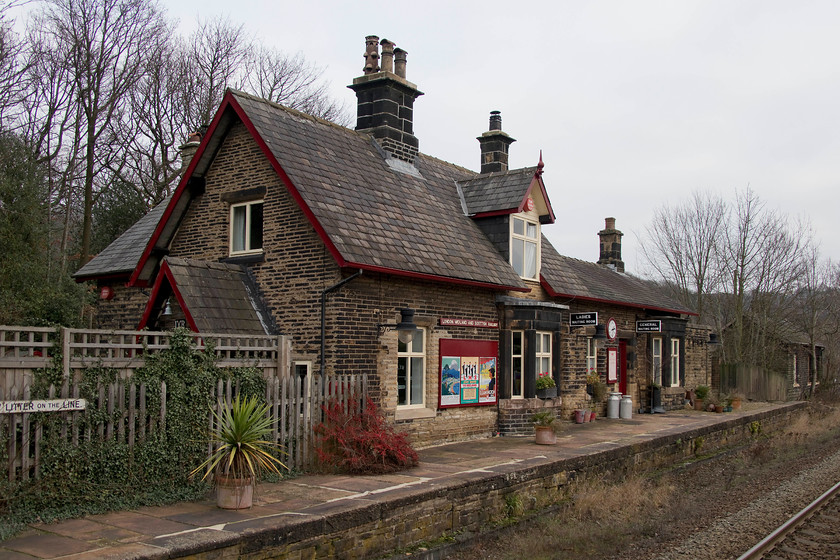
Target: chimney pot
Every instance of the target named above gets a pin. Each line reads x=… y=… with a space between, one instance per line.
x=399 y=62
x=609 y=223
x=371 y=54
x=188 y=150
x=495 y=120
x=387 y=55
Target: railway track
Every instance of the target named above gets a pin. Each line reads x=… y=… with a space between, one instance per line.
x=813 y=533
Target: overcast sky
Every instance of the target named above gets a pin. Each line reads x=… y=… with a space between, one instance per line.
x=633 y=103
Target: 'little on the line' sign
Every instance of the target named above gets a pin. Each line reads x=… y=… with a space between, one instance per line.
x=55 y=405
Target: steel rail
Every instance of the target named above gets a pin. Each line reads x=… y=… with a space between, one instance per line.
x=774 y=538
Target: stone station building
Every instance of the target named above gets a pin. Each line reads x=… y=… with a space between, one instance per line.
x=285 y=223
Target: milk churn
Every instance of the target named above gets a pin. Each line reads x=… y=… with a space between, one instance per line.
x=613 y=405
x=626 y=407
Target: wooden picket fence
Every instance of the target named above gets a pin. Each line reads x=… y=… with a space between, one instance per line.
x=295 y=402
x=295 y=407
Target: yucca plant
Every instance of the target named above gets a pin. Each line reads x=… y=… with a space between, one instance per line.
x=241 y=445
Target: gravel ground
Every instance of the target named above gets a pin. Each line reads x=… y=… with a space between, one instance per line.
x=731 y=536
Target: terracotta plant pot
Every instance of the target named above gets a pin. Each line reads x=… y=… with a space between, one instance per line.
x=545 y=435
x=698 y=404
x=234 y=493
x=736 y=404
x=718 y=408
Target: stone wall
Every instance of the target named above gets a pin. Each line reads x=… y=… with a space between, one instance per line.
x=124 y=311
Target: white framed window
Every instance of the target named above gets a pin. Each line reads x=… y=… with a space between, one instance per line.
x=675 y=362
x=411 y=371
x=543 y=353
x=591 y=356
x=517 y=364
x=656 y=360
x=525 y=247
x=795 y=367
x=246 y=228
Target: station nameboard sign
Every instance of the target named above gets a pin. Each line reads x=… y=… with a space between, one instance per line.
x=450 y=322
x=649 y=326
x=587 y=319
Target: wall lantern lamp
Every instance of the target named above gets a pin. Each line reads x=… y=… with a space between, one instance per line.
x=600 y=336
x=406 y=329
x=714 y=341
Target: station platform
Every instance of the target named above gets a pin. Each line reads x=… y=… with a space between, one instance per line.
x=350 y=516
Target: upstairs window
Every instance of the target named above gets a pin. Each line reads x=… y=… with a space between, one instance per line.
x=524 y=247
x=246 y=228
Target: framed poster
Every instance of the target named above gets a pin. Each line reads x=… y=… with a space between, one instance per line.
x=468 y=372
x=612 y=365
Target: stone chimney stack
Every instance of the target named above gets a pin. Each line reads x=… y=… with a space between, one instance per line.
x=385 y=98
x=611 y=246
x=494 y=146
x=188 y=150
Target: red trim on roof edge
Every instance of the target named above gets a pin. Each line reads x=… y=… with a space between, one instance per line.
x=435 y=278
x=108 y=277
x=538 y=179
x=229 y=102
x=322 y=233
x=552 y=293
x=495 y=213
x=166 y=273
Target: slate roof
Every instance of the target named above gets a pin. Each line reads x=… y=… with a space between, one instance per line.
x=574 y=278
x=123 y=254
x=221 y=298
x=375 y=216
x=494 y=192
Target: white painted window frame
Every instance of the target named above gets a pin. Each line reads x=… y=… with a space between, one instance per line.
x=247 y=242
x=409 y=354
x=675 y=362
x=526 y=240
x=656 y=359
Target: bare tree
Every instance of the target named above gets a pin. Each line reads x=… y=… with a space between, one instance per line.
x=681 y=245
x=105 y=42
x=761 y=259
x=816 y=309
x=291 y=81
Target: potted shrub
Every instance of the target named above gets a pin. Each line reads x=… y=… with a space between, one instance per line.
x=241 y=452
x=543 y=425
x=546 y=387
x=701 y=393
x=734 y=400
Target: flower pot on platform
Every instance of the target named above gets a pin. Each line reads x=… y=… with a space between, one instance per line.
x=547 y=393
x=580 y=416
x=234 y=492
x=545 y=435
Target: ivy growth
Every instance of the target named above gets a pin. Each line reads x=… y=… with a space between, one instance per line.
x=98 y=475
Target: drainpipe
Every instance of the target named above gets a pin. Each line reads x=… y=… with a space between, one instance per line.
x=324 y=321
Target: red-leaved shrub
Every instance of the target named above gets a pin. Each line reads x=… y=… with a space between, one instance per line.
x=361 y=442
